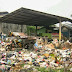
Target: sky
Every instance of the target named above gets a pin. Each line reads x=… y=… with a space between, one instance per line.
x=56 y=7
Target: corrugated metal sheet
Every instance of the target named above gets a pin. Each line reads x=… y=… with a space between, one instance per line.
x=31 y=17
x=3 y=14
x=69 y=26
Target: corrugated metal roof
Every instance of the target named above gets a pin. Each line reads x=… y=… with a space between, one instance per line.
x=31 y=17
x=3 y=14
x=69 y=26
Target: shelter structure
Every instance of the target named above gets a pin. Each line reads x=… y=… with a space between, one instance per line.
x=35 y=18
x=67 y=30
x=3 y=14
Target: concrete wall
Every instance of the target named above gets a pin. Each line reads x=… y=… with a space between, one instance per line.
x=6 y=28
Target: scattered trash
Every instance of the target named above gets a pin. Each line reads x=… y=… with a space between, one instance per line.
x=16 y=54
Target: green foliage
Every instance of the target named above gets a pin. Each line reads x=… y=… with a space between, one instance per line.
x=22 y=65
x=47 y=34
x=42 y=69
x=31 y=29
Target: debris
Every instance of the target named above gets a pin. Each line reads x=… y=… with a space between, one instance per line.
x=19 y=53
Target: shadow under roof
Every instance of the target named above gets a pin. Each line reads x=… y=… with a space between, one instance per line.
x=24 y=16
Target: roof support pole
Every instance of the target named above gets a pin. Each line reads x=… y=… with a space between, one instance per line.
x=21 y=27
x=59 y=30
x=69 y=33
x=36 y=30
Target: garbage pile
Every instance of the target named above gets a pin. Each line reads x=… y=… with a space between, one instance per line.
x=46 y=54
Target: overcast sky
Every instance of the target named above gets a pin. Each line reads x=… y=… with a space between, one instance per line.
x=56 y=7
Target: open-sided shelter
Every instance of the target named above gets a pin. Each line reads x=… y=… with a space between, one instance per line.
x=31 y=17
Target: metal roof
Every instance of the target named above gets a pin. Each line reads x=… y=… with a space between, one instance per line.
x=3 y=14
x=69 y=26
x=31 y=17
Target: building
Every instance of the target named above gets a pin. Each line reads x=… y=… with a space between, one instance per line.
x=7 y=27
x=3 y=14
x=67 y=30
